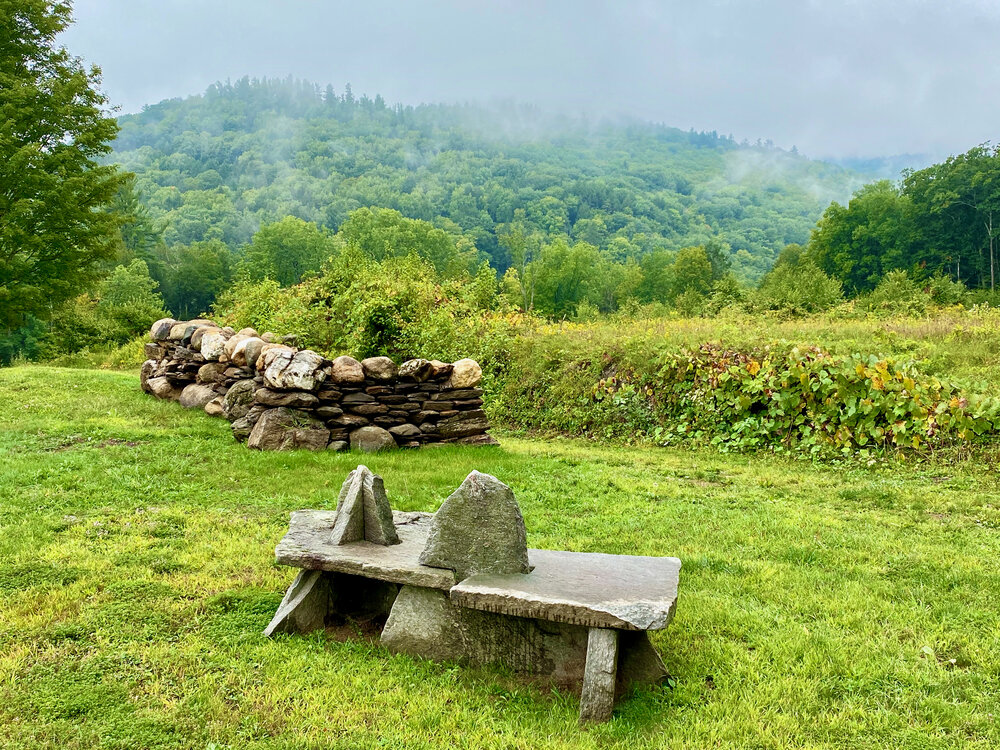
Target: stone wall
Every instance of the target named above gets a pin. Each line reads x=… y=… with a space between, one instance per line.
x=279 y=397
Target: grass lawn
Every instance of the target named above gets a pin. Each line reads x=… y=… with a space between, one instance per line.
x=819 y=606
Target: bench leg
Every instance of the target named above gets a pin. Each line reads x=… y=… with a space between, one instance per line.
x=304 y=607
x=599 y=676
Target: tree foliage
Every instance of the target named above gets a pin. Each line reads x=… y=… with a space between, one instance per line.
x=286 y=251
x=54 y=231
x=248 y=153
x=944 y=219
x=796 y=285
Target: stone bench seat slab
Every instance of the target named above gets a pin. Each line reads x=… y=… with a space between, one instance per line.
x=581 y=588
x=308 y=544
x=596 y=590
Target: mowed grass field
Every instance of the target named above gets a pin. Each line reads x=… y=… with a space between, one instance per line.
x=820 y=606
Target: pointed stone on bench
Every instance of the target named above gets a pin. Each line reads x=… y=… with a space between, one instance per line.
x=363 y=510
x=478 y=529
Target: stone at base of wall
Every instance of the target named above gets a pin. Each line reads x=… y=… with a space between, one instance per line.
x=278 y=397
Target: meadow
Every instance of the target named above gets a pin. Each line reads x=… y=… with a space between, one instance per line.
x=821 y=605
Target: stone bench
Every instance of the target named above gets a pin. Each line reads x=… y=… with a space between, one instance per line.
x=461 y=585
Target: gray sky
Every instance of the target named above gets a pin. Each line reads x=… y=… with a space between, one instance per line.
x=834 y=77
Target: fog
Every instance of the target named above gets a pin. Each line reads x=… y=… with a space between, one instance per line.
x=836 y=79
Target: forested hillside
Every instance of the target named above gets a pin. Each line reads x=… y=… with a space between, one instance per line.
x=220 y=165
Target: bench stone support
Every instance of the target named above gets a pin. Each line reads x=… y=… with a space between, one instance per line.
x=304 y=606
x=425 y=623
x=318 y=598
x=600 y=676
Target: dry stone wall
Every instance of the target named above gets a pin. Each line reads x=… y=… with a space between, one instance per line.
x=280 y=397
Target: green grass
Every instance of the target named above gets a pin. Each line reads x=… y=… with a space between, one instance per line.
x=819 y=606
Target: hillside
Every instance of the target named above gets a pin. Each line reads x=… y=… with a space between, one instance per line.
x=216 y=166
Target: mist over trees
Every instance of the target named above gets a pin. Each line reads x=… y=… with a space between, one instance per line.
x=247 y=154
x=276 y=198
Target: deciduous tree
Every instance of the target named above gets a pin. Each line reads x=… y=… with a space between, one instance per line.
x=54 y=128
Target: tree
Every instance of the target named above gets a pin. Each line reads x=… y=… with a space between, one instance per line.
x=565 y=274
x=657 y=276
x=858 y=243
x=718 y=258
x=523 y=248
x=54 y=231
x=139 y=234
x=956 y=214
x=128 y=302
x=797 y=285
x=692 y=271
x=382 y=233
x=287 y=250
x=195 y=275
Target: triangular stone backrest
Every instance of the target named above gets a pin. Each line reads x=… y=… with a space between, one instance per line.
x=363 y=510
x=478 y=529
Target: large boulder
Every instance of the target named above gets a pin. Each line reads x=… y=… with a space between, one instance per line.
x=177 y=330
x=238 y=400
x=464 y=424
x=211 y=372
x=213 y=344
x=234 y=341
x=440 y=369
x=416 y=369
x=239 y=356
x=160 y=330
x=346 y=370
x=199 y=334
x=293 y=399
x=372 y=439
x=406 y=431
x=466 y=373
x=252 y=350
x=264 y=359
x=291 y=370
x=286 y=429
x=379 y=368
x=243 y=426
x=478 y=529
x=184 y=330
x=145 y=373
x=195 y=396
x=161 y=387
x=214 y=407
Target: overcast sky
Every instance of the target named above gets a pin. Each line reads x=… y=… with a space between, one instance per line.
x=833 y=77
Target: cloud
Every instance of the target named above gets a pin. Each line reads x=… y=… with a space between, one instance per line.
x=847 y=78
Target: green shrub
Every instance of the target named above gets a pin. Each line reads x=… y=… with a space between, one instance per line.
x=944 y=291
x=797 y=287
x=897 y=294
x=397 y=307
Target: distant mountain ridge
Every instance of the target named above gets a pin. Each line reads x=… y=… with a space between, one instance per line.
x=218 y=165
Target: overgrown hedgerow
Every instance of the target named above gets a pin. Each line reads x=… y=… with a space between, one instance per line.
x=781 y=398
